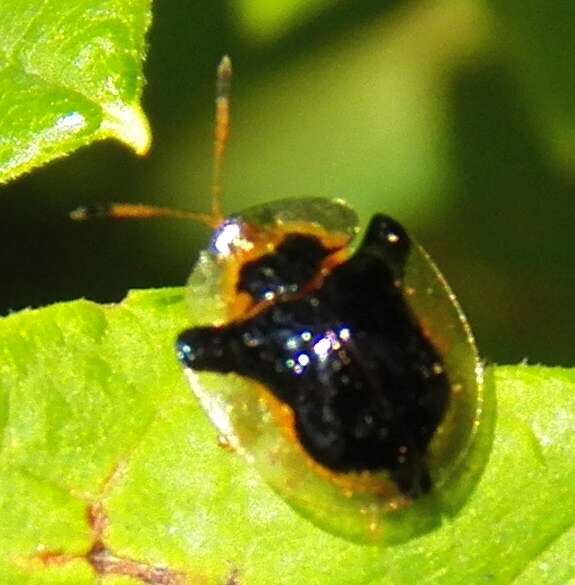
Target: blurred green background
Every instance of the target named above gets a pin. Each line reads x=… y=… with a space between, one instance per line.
x=455 y=117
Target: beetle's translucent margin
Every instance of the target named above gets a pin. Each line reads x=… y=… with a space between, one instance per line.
x=467 y=468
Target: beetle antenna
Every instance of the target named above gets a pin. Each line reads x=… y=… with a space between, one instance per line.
x=221 y=131
x=140 y=211
x=221 y=135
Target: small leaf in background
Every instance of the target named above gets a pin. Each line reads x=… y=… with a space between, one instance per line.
x=268 y=19
x=70 y=73
x=108 y=467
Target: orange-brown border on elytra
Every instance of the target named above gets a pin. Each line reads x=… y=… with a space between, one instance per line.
x=351 y=483
x=264 y=241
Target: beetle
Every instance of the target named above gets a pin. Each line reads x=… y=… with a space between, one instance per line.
x=349 y=378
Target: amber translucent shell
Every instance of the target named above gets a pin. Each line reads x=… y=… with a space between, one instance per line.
x=366 y=506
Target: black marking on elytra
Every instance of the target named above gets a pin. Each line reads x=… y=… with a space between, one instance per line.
x=285 y=271
x=367 y=388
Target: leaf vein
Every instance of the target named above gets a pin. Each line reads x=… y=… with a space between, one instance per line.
x=545 y=546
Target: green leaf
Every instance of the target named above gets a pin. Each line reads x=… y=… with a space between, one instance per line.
x=70 y=73
x=109 y=467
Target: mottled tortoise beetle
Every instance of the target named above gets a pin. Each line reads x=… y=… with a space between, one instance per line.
x=348 y=378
